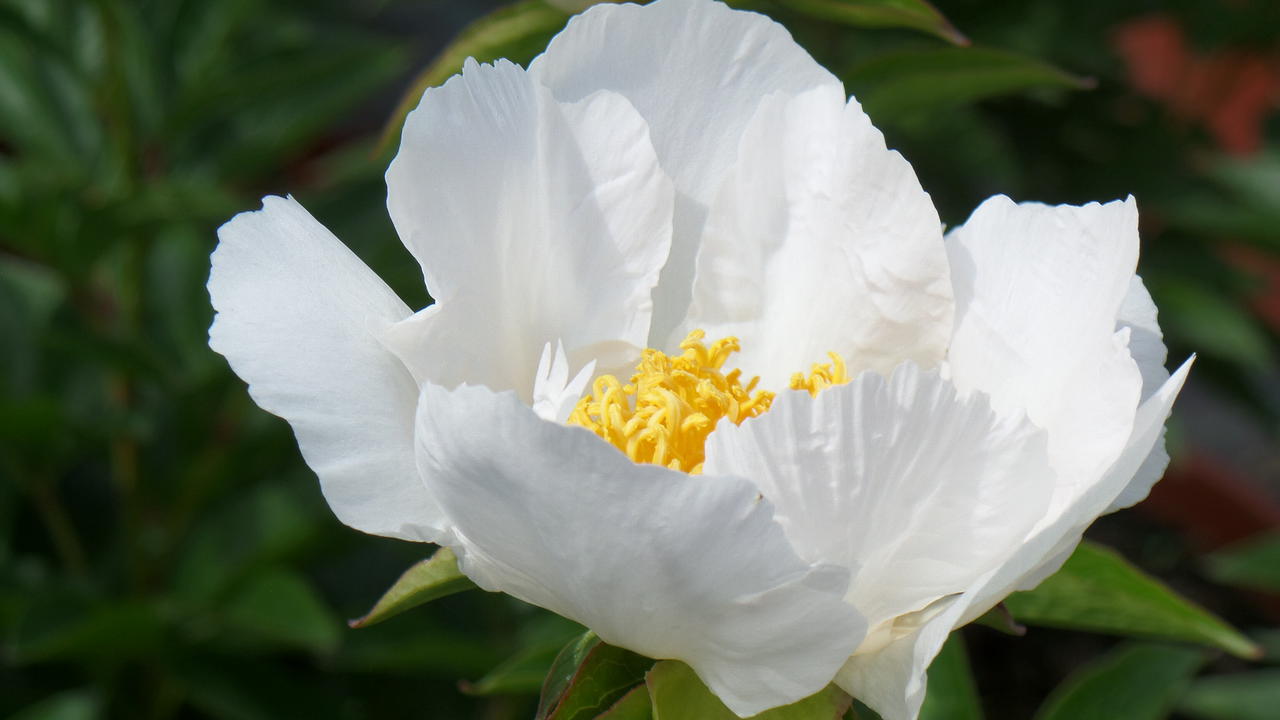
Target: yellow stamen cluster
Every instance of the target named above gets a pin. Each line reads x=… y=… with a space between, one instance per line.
x=822 y=375
x=663 y=416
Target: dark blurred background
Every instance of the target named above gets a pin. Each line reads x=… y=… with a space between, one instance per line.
x=164 y=551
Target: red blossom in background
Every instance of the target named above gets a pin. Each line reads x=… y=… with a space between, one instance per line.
x=1230 y=92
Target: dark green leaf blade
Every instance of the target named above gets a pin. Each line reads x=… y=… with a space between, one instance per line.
x=1241 y=696
x=910 y=14
x=428 y=580
x=1136 y=682
x=279 y=607
x=81 y=704
x=1254 y=564
x=952 y=694
x=1098 y=590
x=908 y=83
x=678 y=694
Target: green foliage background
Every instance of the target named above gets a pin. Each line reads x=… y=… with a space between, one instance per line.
x=164 y=552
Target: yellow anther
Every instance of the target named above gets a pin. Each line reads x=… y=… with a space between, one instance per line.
x=664 y=414
x=672 y=403
x=822 y=375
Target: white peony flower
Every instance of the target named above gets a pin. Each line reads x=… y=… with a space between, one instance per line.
x=660 y=179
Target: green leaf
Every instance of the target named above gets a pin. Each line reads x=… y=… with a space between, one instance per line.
x=1098 y=590
x=523 y=24
x=678 y=694
x=419 y=646
x=1269 y=641
x=635 y=705
x=860 y=711
x=911 y=14
x=428 y=580
x=58 y=628
x=268 y=525
x=910 y=83
x=71 y=705
x=279 y=607
x=240 y=688
x=563 y=669
x=526 y=670
x=523 y=672
x=1136 y=682
x=587 y=678
x=1242 y=696
x=1253 y=564
x=952 y=694
x=1214 y=324
x=1243 y=201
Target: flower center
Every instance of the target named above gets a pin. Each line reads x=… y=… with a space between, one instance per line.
x=672 y=403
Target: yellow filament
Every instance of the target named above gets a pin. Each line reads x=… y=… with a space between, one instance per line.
x=672 y=403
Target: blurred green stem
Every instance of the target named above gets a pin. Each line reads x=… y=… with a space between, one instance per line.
x=54 y=516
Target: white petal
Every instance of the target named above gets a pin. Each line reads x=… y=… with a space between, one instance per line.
x=299 y=319
x=696 y=70
x=892 y=680
x=1064 y=532
x=1146 y=343
x=664 y=563
x=535 y=221
x=923 y=489
x=1038 y=290
x=822 y=239
x=554 y=393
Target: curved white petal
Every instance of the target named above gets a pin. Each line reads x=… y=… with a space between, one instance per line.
x=696 y=71
x=1146 y=343
x=892 y=680
x=821 y=240
x=535 y=221
x=1048 y=544
x=661 y=562
x=299 y=317
x=1037 y=291
x=922 y=488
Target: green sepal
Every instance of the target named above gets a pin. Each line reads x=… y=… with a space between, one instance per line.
x=588 y=678
x=428 y=580
x=676 y=693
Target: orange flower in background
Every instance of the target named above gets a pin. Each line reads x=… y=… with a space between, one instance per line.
x=1229 y=92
